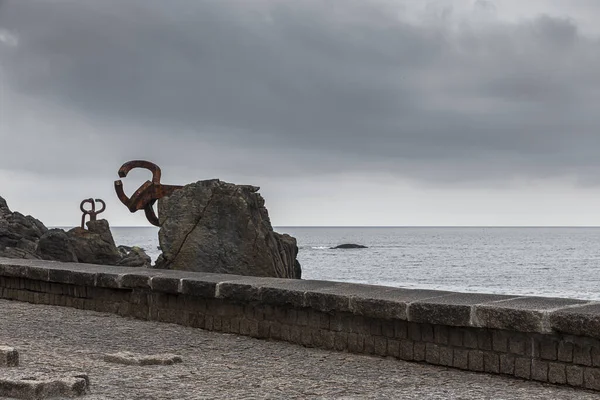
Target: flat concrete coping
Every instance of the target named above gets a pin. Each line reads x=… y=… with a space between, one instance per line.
x=515 y=313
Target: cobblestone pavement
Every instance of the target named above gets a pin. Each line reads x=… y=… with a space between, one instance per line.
x=61 y=340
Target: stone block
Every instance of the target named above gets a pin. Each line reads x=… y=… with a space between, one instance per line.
x=461 y=359
x=500 y=341
x=369 y=344
x=491 y=362
x=582 y=321
x=476 y=360
x=446 y=355
x=565 y=351
x=523 y=368
x=455 y=337
x=419 y=349
x=548 y=349
x=519 y=344
x=507 y=364
x=525 y=314
x=427 y=333
x=539 y=370
x=380 y=345
x=591 y=378
x=72 y=277
x=355 y=344
x=165 y=284
x=414 y=331
x=432 y=353
x=470 y=338
x=441 y=334
x=393 y=348
x=557 y=373
x=42 y=387
x=484 y=340
x=575 y=375
x=407 y=350
x=135 y=281
x=452 y=309
x=9 y=357
x=582 y=354
x=128 y=358
x=385 y=302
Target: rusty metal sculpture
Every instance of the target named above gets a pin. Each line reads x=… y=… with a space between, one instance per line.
x=91 y=212
x=147 y=194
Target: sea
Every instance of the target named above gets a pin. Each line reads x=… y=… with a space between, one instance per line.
x=550 y=262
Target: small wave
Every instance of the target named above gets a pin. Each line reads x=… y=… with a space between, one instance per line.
x=320 y=247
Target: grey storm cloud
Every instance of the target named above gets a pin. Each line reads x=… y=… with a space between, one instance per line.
x=308 y=85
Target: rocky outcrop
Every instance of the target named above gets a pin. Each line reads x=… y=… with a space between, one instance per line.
x=214 y=226
x=19 y=234
x=349 y=246
x=56 y=245
x=26 y=237
x=134 y=257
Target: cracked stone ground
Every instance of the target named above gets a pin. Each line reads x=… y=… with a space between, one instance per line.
x=60 y=341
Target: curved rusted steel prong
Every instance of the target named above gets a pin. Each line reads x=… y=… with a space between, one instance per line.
x=150 y=215
x=128 y=166
x=83 y=210
x=103 y=206
x=148 y=193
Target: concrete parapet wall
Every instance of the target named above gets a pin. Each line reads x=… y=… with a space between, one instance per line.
x=544 y=339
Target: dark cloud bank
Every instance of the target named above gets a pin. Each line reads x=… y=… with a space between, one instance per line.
x=302 y=87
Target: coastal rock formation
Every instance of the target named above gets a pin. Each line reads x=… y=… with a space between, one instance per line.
x=134 y=257
x=26 y=237
x=56 y=245
x=214 y=226
x=19 y=234
x=349 y=246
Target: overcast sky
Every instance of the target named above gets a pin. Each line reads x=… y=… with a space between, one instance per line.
x=344 y=112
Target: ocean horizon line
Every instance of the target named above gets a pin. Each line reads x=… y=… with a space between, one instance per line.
x=382 y=226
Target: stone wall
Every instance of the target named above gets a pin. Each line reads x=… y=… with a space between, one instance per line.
x=543 y=339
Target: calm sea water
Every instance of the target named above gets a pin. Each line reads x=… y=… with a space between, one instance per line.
x=558 y=262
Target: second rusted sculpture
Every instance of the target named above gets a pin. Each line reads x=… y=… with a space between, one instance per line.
x=91 y=212
x=147 y=194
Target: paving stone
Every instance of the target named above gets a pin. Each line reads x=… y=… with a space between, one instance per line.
x=9 y=357
x=45 y=386
x=129 y=358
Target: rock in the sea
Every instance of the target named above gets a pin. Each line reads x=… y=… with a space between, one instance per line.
x=19 y=234
x=134 y=257
x=95 y=245
x=350 y=246
x=214 y=226
x=56 y=245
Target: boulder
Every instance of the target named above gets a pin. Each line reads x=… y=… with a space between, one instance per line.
x=349 y=246
x=214 y=226
x=93 y=245
x=56 y=245
x=134 y=257
x=19 y=234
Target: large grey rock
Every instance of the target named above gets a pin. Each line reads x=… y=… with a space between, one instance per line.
x=134 y=257
x=219 y=227
x=18 y=233
x=95 y=245
x=56 y=245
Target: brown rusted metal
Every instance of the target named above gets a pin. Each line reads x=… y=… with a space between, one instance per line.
x=147 y=194
x=91 y=212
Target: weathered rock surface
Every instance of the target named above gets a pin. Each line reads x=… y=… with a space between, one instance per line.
x=95 y=245
x=26 y=237
x=350 y=246
x=19 y=234
x=134 y=257
x=214 y=226
x=56 y=245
